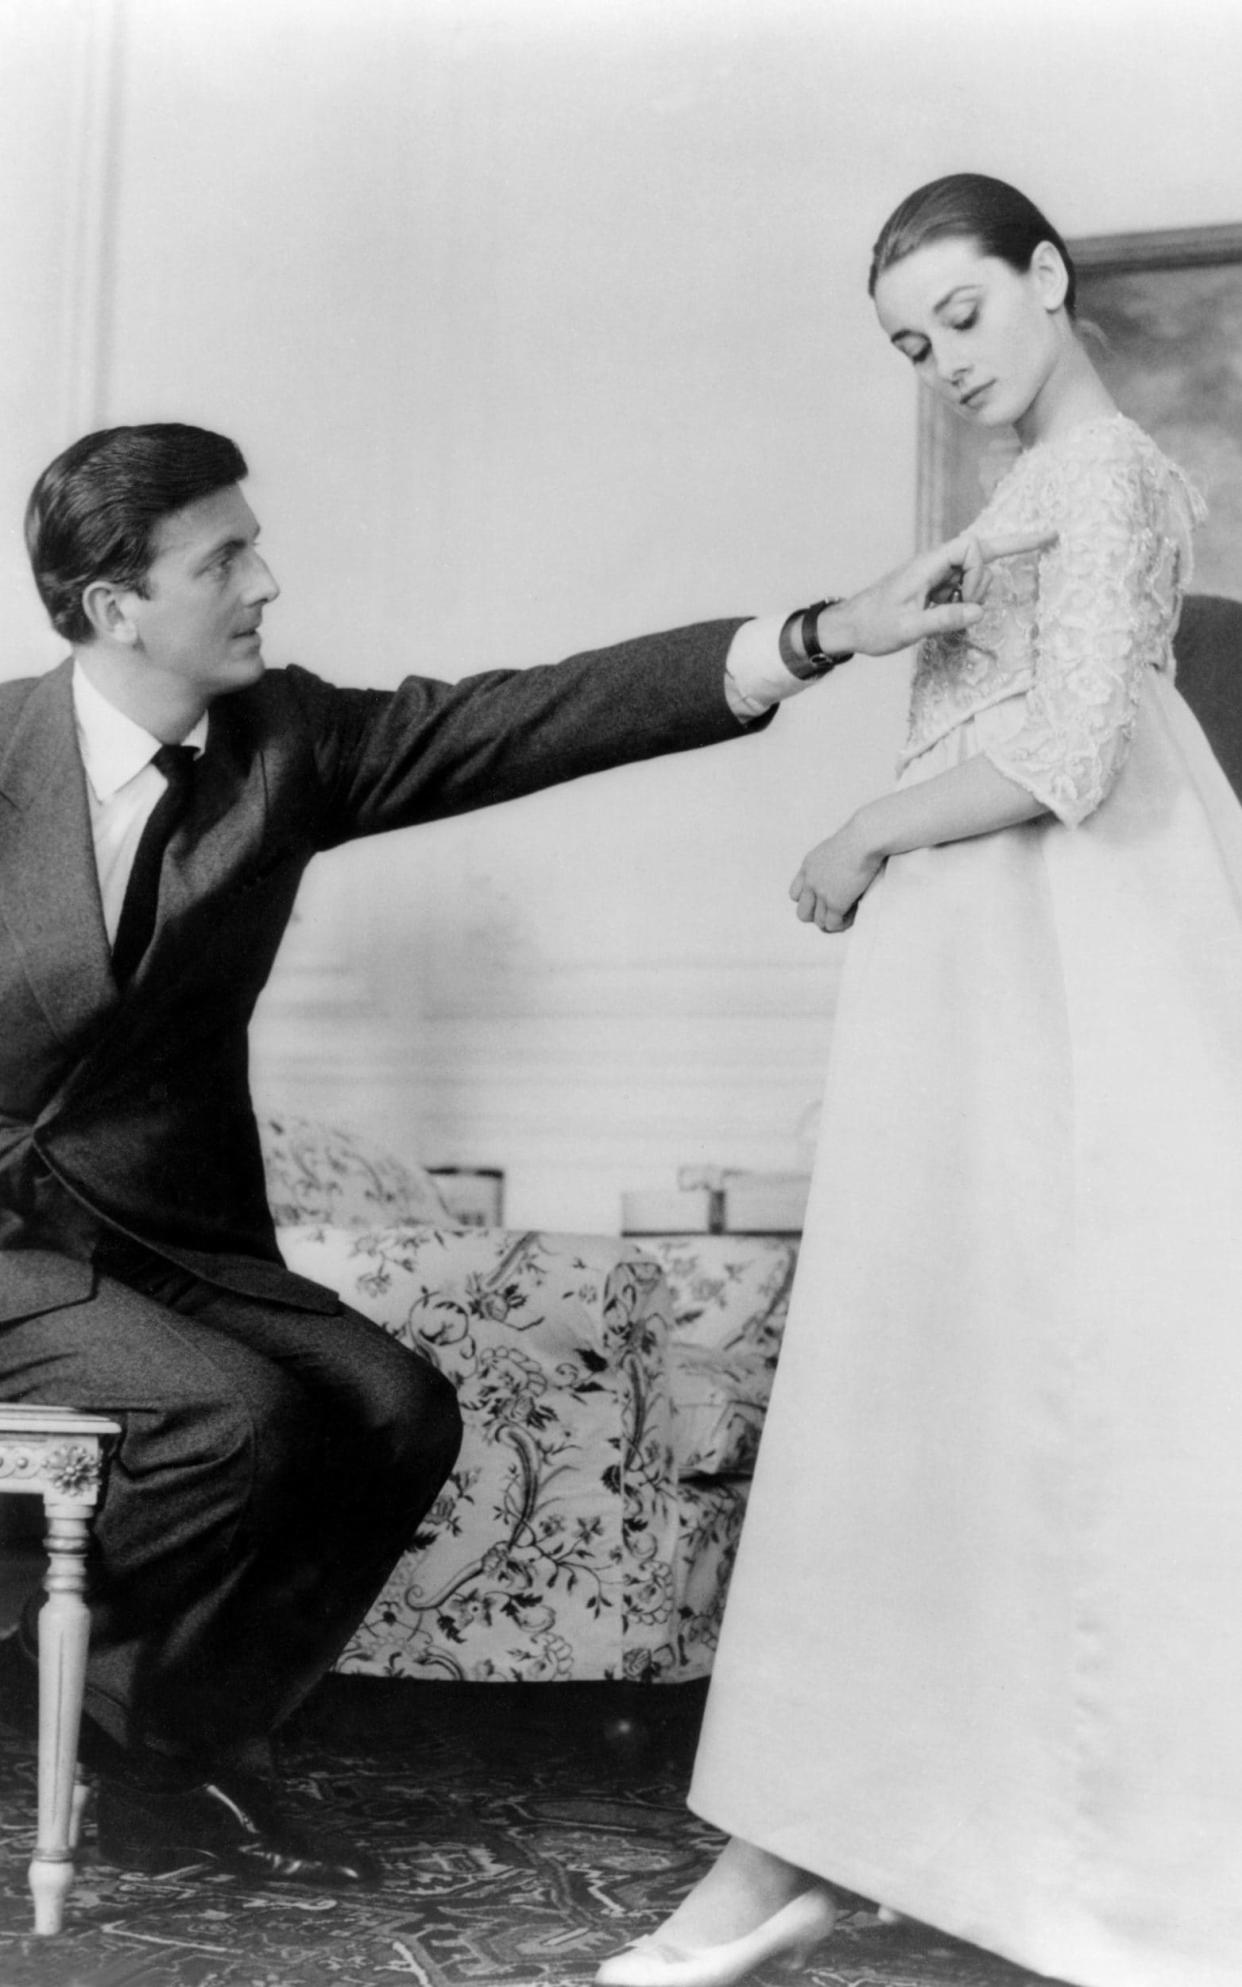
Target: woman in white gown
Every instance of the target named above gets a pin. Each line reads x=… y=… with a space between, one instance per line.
x=983 y=1647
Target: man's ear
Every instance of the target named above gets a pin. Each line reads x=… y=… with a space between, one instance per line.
x=1051 y=275
x=105 y=607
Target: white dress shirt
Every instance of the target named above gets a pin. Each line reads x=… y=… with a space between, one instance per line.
x=121 y=783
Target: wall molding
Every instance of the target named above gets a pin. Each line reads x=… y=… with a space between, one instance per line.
x=723 y=989
x=92 y=139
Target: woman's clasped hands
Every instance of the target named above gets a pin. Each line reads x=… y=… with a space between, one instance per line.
x=833 y=878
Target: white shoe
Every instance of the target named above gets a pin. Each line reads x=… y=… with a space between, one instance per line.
x=789 y=1935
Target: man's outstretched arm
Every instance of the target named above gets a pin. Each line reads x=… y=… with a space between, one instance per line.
x=388 y=759
x=936 y=593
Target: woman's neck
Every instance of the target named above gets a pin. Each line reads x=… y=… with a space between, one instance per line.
x=1072 y=393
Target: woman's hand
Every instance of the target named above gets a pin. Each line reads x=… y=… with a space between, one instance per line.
x=833 y=878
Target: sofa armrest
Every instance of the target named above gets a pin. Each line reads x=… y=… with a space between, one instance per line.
x=330 y=1173
x=730 y=1292
x=557 y=1523
x=730 y=1297
x=560 y=1296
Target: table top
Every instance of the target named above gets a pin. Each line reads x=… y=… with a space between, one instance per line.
x=32 y=1418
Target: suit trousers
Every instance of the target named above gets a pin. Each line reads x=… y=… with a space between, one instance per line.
x=274 y=1465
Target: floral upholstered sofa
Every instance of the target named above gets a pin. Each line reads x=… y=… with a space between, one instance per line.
x=612 y=1394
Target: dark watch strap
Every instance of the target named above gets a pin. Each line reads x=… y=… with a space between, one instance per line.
x=814 y=659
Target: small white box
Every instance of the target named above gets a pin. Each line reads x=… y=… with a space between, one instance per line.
x=766 y=1203
x=473 y=1195
x=667 y=1211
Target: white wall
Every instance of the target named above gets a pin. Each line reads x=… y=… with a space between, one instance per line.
x=542 y=323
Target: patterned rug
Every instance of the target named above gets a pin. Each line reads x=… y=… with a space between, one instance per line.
x=528 y=1831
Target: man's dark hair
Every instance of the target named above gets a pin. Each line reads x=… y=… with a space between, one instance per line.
x=92 y=514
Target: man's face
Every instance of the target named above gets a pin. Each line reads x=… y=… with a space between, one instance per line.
x=198 y=619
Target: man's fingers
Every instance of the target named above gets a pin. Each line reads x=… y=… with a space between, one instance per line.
x=966 y=551
x=798 y=885
x=1009 y=544
x=806 y=904
x=940 y=567
x=975 y=575
x=947 y=620
x=949 y=588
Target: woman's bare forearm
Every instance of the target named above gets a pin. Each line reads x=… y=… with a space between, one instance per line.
x=975 y=798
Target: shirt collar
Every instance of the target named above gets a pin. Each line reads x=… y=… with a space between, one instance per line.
x=115 y=749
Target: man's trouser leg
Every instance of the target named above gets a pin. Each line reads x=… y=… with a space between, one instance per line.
x=275 y=1464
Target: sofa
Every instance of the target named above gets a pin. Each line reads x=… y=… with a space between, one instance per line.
x=612 y=1391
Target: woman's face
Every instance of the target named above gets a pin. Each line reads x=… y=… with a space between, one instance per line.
x=984 y=336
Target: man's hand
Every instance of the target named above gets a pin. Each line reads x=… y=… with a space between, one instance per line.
x=936 y=594
x=832 y=879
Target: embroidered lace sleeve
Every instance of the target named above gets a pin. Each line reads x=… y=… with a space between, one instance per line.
x=1105 y=608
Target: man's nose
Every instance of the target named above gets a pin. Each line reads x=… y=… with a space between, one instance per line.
x=262 y=581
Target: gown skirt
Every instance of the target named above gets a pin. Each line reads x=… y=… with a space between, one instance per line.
x=982 y=1656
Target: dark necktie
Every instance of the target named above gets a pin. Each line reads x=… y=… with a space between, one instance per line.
x=133 y=933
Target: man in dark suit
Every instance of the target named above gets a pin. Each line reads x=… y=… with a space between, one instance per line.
x=160 y=796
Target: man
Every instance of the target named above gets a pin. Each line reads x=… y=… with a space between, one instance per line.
x=160 y=797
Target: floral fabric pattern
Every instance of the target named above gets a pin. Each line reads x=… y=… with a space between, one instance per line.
x=721 y=1401
x=570 y=1541
x=730 y=1296
x=318 y=1172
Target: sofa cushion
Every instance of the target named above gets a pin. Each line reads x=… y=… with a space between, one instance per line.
x=329 y=1173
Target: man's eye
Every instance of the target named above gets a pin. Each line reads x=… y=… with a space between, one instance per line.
x=965 y=323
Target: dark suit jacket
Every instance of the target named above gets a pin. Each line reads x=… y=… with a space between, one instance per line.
x=133 y=1113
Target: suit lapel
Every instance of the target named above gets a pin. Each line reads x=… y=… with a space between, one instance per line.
x=49 y=885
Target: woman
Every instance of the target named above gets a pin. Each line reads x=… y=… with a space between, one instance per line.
x=984 y=1639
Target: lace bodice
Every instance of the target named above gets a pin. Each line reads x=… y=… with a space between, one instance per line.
x=1073 y=629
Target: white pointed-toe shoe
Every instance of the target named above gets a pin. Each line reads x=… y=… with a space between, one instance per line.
x=789 y=1936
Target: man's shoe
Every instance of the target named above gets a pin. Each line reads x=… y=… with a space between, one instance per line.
x=230 y=1823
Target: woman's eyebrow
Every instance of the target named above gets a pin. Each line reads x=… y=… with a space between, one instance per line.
x=942 y=305
x=949 y=295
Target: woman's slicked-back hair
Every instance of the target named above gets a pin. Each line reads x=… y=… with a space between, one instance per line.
x=92 y=514
x=969 y=205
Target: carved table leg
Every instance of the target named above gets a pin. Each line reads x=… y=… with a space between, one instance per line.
x=64 y=1632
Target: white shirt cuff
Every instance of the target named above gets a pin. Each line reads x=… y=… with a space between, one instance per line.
x=755 y=676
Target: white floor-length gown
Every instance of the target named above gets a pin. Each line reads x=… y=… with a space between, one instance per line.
x=982 y=1658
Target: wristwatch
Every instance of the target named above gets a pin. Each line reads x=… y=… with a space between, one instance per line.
x=804 y=657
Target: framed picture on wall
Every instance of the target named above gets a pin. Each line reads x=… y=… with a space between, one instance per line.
x=1162 y=318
